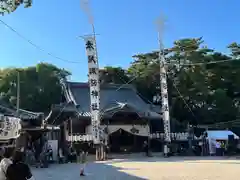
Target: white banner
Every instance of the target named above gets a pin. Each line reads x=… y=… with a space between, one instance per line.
x=9 y=127
x=165 y=107
x=94 y=85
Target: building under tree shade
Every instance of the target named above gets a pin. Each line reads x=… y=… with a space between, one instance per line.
x=31 y=123
x=29 y=119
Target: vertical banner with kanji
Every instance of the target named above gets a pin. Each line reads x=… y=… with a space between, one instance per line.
x=94 y=85
x=165 y=107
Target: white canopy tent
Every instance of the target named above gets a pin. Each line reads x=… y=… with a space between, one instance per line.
x=218 y=135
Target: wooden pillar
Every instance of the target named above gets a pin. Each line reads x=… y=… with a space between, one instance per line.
x=104 y=156
x=96 y=152
x=96 y=147
x=65 y=137
x=100 y=152
x=105 y=148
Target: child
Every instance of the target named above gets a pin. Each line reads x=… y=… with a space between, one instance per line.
x=83 y=159
x=61 y=157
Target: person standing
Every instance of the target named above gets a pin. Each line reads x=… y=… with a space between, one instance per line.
x=222 y=148
x=18 y=170
x=5 y=162
x=50 y=153
x=44 y=155
x=83 y=161
x=218 y=148
x=146 y=148
x=72 y=155
x=61 y=156
x=83 y=158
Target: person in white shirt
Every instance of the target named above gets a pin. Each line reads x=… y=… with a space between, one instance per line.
x=218 y=144
x=5 y=162
x=218 y=148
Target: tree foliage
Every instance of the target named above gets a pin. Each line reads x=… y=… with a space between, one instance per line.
x=39 y=86
x=115 y=75
x=200 y=90
x=9 y=6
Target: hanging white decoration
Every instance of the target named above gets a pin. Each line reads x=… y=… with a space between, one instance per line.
x=80 y=138
x=181 y=136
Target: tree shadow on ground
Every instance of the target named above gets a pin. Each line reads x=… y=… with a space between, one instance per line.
x=213 y=162
x=94 y=171
x=176 y=159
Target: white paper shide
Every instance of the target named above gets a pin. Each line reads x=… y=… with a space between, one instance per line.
x=93 y=78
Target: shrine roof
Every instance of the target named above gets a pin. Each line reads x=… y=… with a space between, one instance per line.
x=111 y=95
x=8 y=109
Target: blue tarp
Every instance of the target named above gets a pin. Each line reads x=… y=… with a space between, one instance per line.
x=220 y=134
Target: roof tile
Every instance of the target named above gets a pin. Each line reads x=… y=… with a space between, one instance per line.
x=110 y=95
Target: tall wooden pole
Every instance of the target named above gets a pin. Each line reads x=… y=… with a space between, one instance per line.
x=164 y=90
x=96 y=116
x=18 y=92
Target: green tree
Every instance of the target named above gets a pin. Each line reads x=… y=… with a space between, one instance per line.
x=197 y=87
x=189 y=82
x=39 y=86
x=145 y=72
x=9 y=6
x=115 y=75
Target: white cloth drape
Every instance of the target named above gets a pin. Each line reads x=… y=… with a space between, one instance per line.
x=76 y=138
x=143 y=130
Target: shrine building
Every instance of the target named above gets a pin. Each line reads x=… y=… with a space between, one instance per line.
x=125 y=117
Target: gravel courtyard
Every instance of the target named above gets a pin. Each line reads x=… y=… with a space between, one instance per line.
x=174 y=168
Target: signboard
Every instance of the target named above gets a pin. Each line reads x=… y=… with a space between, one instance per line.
x=94 y=86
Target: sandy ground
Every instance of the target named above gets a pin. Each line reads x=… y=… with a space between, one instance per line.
x=174 y=168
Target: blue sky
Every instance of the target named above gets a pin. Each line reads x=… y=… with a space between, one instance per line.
x=126 y=27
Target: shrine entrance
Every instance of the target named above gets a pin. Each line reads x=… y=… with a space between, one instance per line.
x=122 y=141
x=126 y=129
